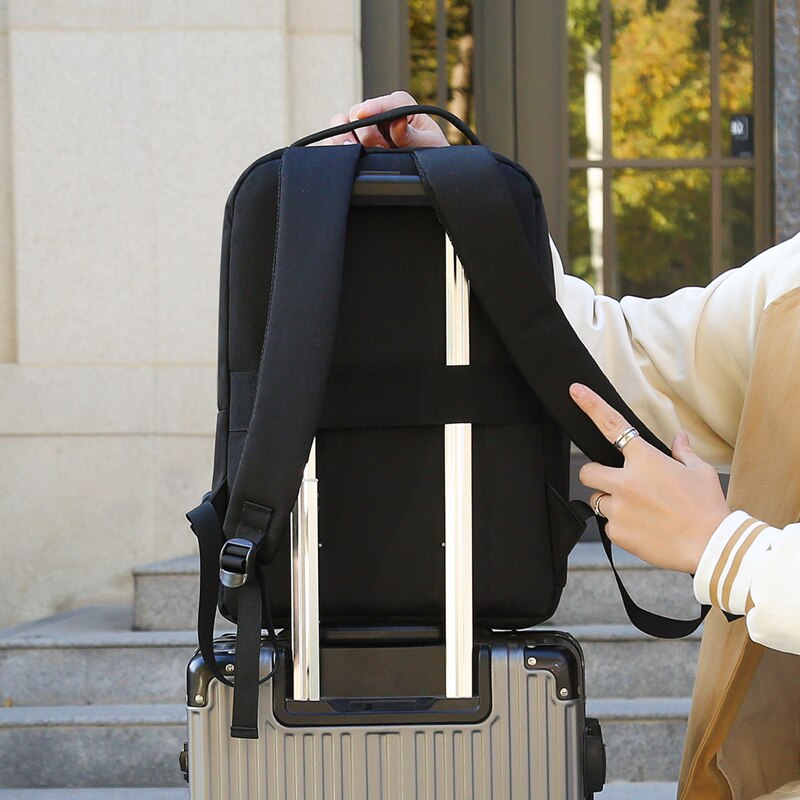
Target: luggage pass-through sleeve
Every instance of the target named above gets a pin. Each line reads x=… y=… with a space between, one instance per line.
x=683 y=361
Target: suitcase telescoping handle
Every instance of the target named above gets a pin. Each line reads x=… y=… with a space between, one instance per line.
x=458 y=530
x=305 y=585
x=390 y=116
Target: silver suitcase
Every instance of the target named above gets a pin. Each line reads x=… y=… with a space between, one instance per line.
x=400 y=712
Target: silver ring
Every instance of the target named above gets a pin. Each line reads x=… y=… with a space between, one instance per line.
x=625 y=437
x=596 y=507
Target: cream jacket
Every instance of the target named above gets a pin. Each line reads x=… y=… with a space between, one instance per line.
x=683 y=362
x=723 y=363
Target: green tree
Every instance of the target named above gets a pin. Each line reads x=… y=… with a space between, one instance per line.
x=660 y=108
x=459 y=49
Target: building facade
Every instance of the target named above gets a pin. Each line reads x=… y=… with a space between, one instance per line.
x=123 y=125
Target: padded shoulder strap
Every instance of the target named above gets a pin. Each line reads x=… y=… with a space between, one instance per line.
x=314 y=187
x=488 y=236
x=486 y=232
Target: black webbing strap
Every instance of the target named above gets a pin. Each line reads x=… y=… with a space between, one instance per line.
x=206 y=526
x=254 y=523
x=314 y=198
x=366 y=397
x=487 y=234
x=315 y=185
x=644 y=620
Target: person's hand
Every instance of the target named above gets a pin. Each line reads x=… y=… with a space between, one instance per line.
x=418 y=130
x=663 y=510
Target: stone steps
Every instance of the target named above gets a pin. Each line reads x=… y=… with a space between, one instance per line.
x=103 y=793
x=92 y=657
x=138 y=745
x=634 y=791
x=643 y=736
x=85 y=746
x=100 y=692
x=591 y=595
x=626 y=663
x=166 y=592
x=614 y=791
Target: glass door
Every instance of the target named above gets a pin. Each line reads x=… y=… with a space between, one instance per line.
x=668 y=141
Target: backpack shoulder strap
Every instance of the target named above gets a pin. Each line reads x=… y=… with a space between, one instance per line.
x=488 y=236
x=314 y=191
x=314 y=187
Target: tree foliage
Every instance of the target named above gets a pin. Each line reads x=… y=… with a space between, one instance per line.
x=661 y=108
x=424 y=61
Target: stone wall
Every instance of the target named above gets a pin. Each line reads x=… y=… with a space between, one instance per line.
x=123 y=126
x=787 y=118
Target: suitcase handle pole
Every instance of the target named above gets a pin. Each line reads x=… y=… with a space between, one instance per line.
x=458 y=495
x=305 y=585
x=458 y=530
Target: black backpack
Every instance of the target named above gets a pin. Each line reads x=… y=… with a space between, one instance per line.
x=332 y=327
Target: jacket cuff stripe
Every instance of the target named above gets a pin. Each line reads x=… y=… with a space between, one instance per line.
x=722 y=561
x=733 y=570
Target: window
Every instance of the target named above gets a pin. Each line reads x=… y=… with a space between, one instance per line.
x=646 y=123
x=663 y=121
x=426 y=47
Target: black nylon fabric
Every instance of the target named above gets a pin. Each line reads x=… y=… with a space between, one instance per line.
x=298 y=335
x=527 y=316
x=404 y=396
x=332 y=323
x=381 y=490
x=487 y=231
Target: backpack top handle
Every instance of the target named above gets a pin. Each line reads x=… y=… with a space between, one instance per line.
x=391 y=116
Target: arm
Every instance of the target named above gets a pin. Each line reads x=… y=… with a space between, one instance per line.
x=751 y=568
x=683 y=361
x=741 y=565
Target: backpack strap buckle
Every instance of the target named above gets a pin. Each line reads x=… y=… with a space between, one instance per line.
x=236 y=562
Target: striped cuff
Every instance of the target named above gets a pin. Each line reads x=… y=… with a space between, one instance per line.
x=726 y=567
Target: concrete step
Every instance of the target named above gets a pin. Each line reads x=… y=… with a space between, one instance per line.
x=643 y=736
x=591 y=595
x=613 y=791
x=624 y=662
x=634 y=791
x=122 y=746
x=166 y=592
x=92 y=746
x=103 y=793
x=91 y=657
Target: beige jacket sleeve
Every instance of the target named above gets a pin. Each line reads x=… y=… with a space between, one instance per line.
x=751 y=568
x=682 y=362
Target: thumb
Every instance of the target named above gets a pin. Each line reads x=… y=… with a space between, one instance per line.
x=403 y=134
x=682 y=450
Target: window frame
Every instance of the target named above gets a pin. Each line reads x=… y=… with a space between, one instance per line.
x=516 y=42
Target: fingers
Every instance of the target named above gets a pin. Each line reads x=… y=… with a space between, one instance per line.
x=377 y=105
x=402 y=133
x=608 y=421
x=600 y=503
x=600 y=477
x=341 y=138
x=416 y=130
x=371 y=135
x=682 y=451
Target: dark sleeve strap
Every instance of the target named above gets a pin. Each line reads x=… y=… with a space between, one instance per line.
x=488 y=236
x=206 y=526
x=315 y=185
x=644 y=620
x=504 y=274
x=372 y=397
